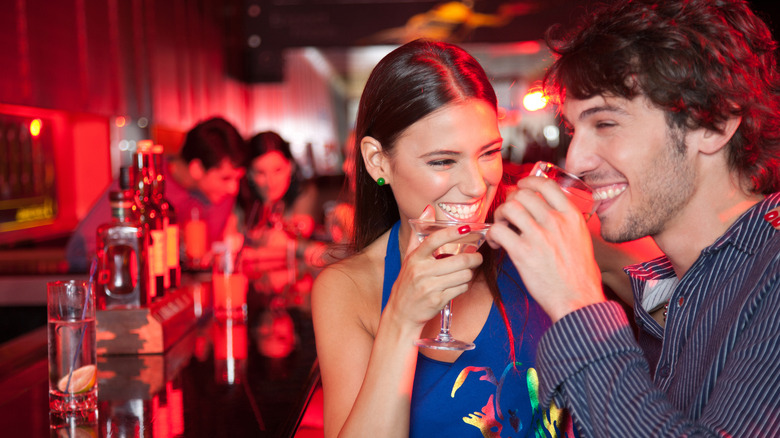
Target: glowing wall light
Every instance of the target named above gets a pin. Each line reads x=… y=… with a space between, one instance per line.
x=534 y=100
x=35 y=127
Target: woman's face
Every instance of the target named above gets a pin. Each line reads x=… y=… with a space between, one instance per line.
x=271 y=173
x=451 y=160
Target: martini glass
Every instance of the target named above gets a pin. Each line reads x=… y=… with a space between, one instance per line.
x=579 y=193
x=467 y=243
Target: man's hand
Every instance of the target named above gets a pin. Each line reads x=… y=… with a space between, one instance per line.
x=546 y=237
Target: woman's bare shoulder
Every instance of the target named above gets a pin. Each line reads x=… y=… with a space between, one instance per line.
x=354 y=282
x=358 y=270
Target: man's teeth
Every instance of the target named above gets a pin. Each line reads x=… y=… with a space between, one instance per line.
x=460 y=211
x=603 y=195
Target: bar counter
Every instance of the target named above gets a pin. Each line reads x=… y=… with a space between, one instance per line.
x=220 y=379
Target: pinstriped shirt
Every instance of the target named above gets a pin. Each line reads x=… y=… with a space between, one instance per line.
x=716 y=364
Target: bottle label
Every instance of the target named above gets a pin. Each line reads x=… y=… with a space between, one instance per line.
x=157 y=256
x=151 y=284
x=173 y=246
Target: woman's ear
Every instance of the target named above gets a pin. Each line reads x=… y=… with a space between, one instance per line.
x=374 y=157
x=713 y=141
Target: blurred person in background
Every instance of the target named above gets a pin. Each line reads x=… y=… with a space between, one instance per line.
x=278 y=207
x=202 y=182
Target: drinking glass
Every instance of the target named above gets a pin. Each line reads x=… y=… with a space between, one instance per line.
x=72 y=352
x=195 y=232
x=229 y=284
x=579 y=193
x=467 y=243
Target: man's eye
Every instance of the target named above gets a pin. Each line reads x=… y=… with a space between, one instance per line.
x=492 y=152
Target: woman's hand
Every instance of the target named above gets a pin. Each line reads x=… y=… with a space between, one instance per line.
x=425 y=284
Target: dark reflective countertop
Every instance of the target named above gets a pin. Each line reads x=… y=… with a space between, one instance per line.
x=221 y=379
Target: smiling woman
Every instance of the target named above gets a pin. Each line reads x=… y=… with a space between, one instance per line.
x=427 y=128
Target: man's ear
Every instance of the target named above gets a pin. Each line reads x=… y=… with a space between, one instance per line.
x=713 y=141
x=196 y=169
x=374 y=157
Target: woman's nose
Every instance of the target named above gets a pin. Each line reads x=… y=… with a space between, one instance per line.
x=473 y=182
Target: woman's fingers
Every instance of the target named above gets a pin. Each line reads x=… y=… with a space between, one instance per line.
x=426 y=283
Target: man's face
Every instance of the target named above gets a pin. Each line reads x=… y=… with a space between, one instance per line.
x=637 y=164
x=220 y=181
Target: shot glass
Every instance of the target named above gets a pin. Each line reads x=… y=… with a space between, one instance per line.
x=229 y=284
x=72 y=354
x=579 y=193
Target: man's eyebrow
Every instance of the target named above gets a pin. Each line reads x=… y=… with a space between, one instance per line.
x=598 y=109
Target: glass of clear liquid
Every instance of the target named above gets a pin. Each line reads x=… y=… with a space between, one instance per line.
x=72 y=351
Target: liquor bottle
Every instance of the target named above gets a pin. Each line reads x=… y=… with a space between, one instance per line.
x=152 y=218
x=169 y=217
x=121 y=251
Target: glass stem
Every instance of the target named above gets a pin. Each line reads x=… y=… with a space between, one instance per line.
x=446 y=319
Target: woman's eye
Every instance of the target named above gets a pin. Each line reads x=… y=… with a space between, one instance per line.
x=442 y=162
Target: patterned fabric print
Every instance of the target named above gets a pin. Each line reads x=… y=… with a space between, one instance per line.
x=491 y=419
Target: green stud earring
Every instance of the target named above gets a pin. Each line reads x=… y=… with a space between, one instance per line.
x=380 y=181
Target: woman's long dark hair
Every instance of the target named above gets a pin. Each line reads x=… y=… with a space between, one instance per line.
x=407 y=85
x=250 y=198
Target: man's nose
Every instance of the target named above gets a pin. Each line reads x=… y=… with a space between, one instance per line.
x=580 y=157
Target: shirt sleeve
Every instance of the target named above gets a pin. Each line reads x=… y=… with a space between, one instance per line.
x=589 y=362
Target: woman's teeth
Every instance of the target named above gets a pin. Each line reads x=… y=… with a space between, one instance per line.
x=460 y=211
x=603 y=195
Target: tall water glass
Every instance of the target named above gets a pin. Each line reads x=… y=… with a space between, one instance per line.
x=72 y=353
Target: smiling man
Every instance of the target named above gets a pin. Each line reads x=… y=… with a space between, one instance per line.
x=675 y=121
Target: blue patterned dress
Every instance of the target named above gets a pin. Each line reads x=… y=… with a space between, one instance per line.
x=481 y=393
